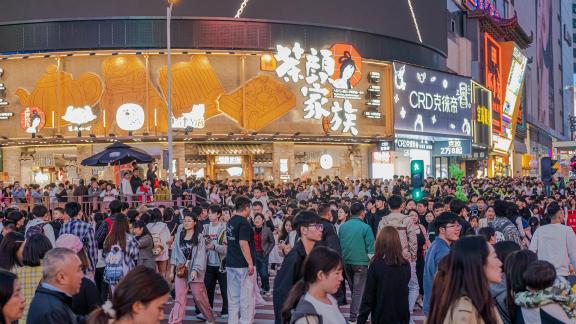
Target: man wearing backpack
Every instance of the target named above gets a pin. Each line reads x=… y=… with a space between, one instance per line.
x=407 y=231
x=40 y=224
x=84 y=231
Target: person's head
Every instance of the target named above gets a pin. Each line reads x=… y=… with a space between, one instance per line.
x=490 y=213
x=322 y=269
x=191 y=223
x=447 y=227
x=343 y=214
x=139 y=228
x=395 y=203
x=468 y=270
x=413 y=214
x=357 y=210
x=62 y=269
x=242 y=206
x=556 y=213
x=504 y=249
x=155 y=215
x=388 y=247
x=17 y=217
x=539 y=275
x=489 y=234
x=421 y=207
x=58 y=213
x=214 y=213
x=11 y=250
x=458 y=207
x=72 y=242
x=258 y=220
x=35 y=248
x=12 y=301
x=324 y=211
x=380 y=200
x=474 y=222
x=309 y=226
x=257 y=207
x=429 y=217
x=72 y=209
x=39 y=211
x=115 y=207
x=257 y=193
x=118 y=233
x=139 y=297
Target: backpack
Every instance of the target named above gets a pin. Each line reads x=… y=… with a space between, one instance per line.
x=36 y=229
x=115 y=267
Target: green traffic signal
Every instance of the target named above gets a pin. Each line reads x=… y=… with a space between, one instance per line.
x=417 y=194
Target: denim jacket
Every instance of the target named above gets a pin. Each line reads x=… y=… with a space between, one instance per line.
x=198 y=257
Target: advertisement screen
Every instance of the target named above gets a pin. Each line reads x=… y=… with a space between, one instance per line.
x=431 y=102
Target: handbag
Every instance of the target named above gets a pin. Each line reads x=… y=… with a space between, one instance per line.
x=183 y=268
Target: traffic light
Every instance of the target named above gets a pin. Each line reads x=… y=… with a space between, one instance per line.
x=417 y=178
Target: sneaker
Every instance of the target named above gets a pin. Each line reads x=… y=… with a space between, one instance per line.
x=199 y=317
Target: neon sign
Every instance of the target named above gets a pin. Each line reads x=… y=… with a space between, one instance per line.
x=485 y=5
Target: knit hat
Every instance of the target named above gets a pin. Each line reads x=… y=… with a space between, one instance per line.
x=69 y=241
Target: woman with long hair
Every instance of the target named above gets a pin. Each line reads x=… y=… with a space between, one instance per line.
x=461 y=291
x=386 y=292
x=11 y=250
x=487 y=218
x=11 y=298
x=139 y=298
x=514 y=268
x=188 y=261
x=120 y=251
x=343 y=216
x=287 y=236
x=310 y=299
x=30 y=273
x=145 y=245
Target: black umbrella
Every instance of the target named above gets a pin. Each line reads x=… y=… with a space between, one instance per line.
x=117 y=153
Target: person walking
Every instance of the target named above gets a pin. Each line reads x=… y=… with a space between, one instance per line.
x=145 y=245
x=556 y=243
x=408 y=232
x=85 y=232
x=161 y=236
x=357 y=241
x=215 y=234
x=310 y=229
x=386 y=294
x=462 y=293
x=120 y=251
x=447 y=227
x=240 y=264
x=62 y=277
x=140 y=297
x=188 y=262
x=312 y=295
x=264 y=243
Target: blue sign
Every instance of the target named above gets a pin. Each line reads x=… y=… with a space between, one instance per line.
x=455 y=147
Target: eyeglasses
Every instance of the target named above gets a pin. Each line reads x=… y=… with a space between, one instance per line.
x=453 y=226
x=317 y=227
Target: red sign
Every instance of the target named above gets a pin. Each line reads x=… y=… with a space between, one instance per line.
x=32 y=119
x=494 y=79
x=484 y=5
x=571 y=219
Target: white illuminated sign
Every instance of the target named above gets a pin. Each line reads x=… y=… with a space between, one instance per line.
x=326 y=161
x=228 y=160
x=319 y=68
x=283 y=165
x=234 y=171
x=130 y=117
x=79 y=116
x=500 y=143
x=192 y=119
x=41 y=177
x=515 y=79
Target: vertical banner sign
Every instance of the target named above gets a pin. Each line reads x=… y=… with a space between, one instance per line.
x=494 y=79
x=571 y=219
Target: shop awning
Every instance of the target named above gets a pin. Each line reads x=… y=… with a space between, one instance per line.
x=233 y=149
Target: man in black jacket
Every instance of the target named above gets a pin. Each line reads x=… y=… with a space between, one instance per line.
x=310 y=229
x=62 y=276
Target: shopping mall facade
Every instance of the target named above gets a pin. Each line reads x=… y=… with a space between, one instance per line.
x=267 y=96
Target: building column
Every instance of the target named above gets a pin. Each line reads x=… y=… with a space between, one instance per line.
x=12 y=163
x=83 y=152
x=283 y=151
x=179 y=154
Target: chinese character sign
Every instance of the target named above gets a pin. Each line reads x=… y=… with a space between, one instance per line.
x=321 y=70
x=431 y=102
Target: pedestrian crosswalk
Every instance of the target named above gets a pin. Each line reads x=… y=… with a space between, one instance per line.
x=264 y=314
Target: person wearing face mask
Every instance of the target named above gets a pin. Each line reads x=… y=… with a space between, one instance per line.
x=62 y=277
x=463 y=294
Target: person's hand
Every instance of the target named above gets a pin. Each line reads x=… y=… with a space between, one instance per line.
x=210 y=246
x=194 y=275
x=171 y=277
x=250 y=269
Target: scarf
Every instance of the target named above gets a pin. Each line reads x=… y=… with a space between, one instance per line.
x=559 y=293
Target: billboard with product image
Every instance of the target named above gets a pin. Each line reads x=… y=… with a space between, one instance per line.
x=429 y=102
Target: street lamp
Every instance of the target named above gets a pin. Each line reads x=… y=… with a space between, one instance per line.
x=169 y=51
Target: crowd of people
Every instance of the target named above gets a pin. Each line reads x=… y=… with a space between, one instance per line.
x=502 y=254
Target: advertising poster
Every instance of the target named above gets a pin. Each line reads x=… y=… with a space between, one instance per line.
x=571 y=219
x=494 y=79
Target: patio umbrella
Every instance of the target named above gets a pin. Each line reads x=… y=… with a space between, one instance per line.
x=117 y=154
